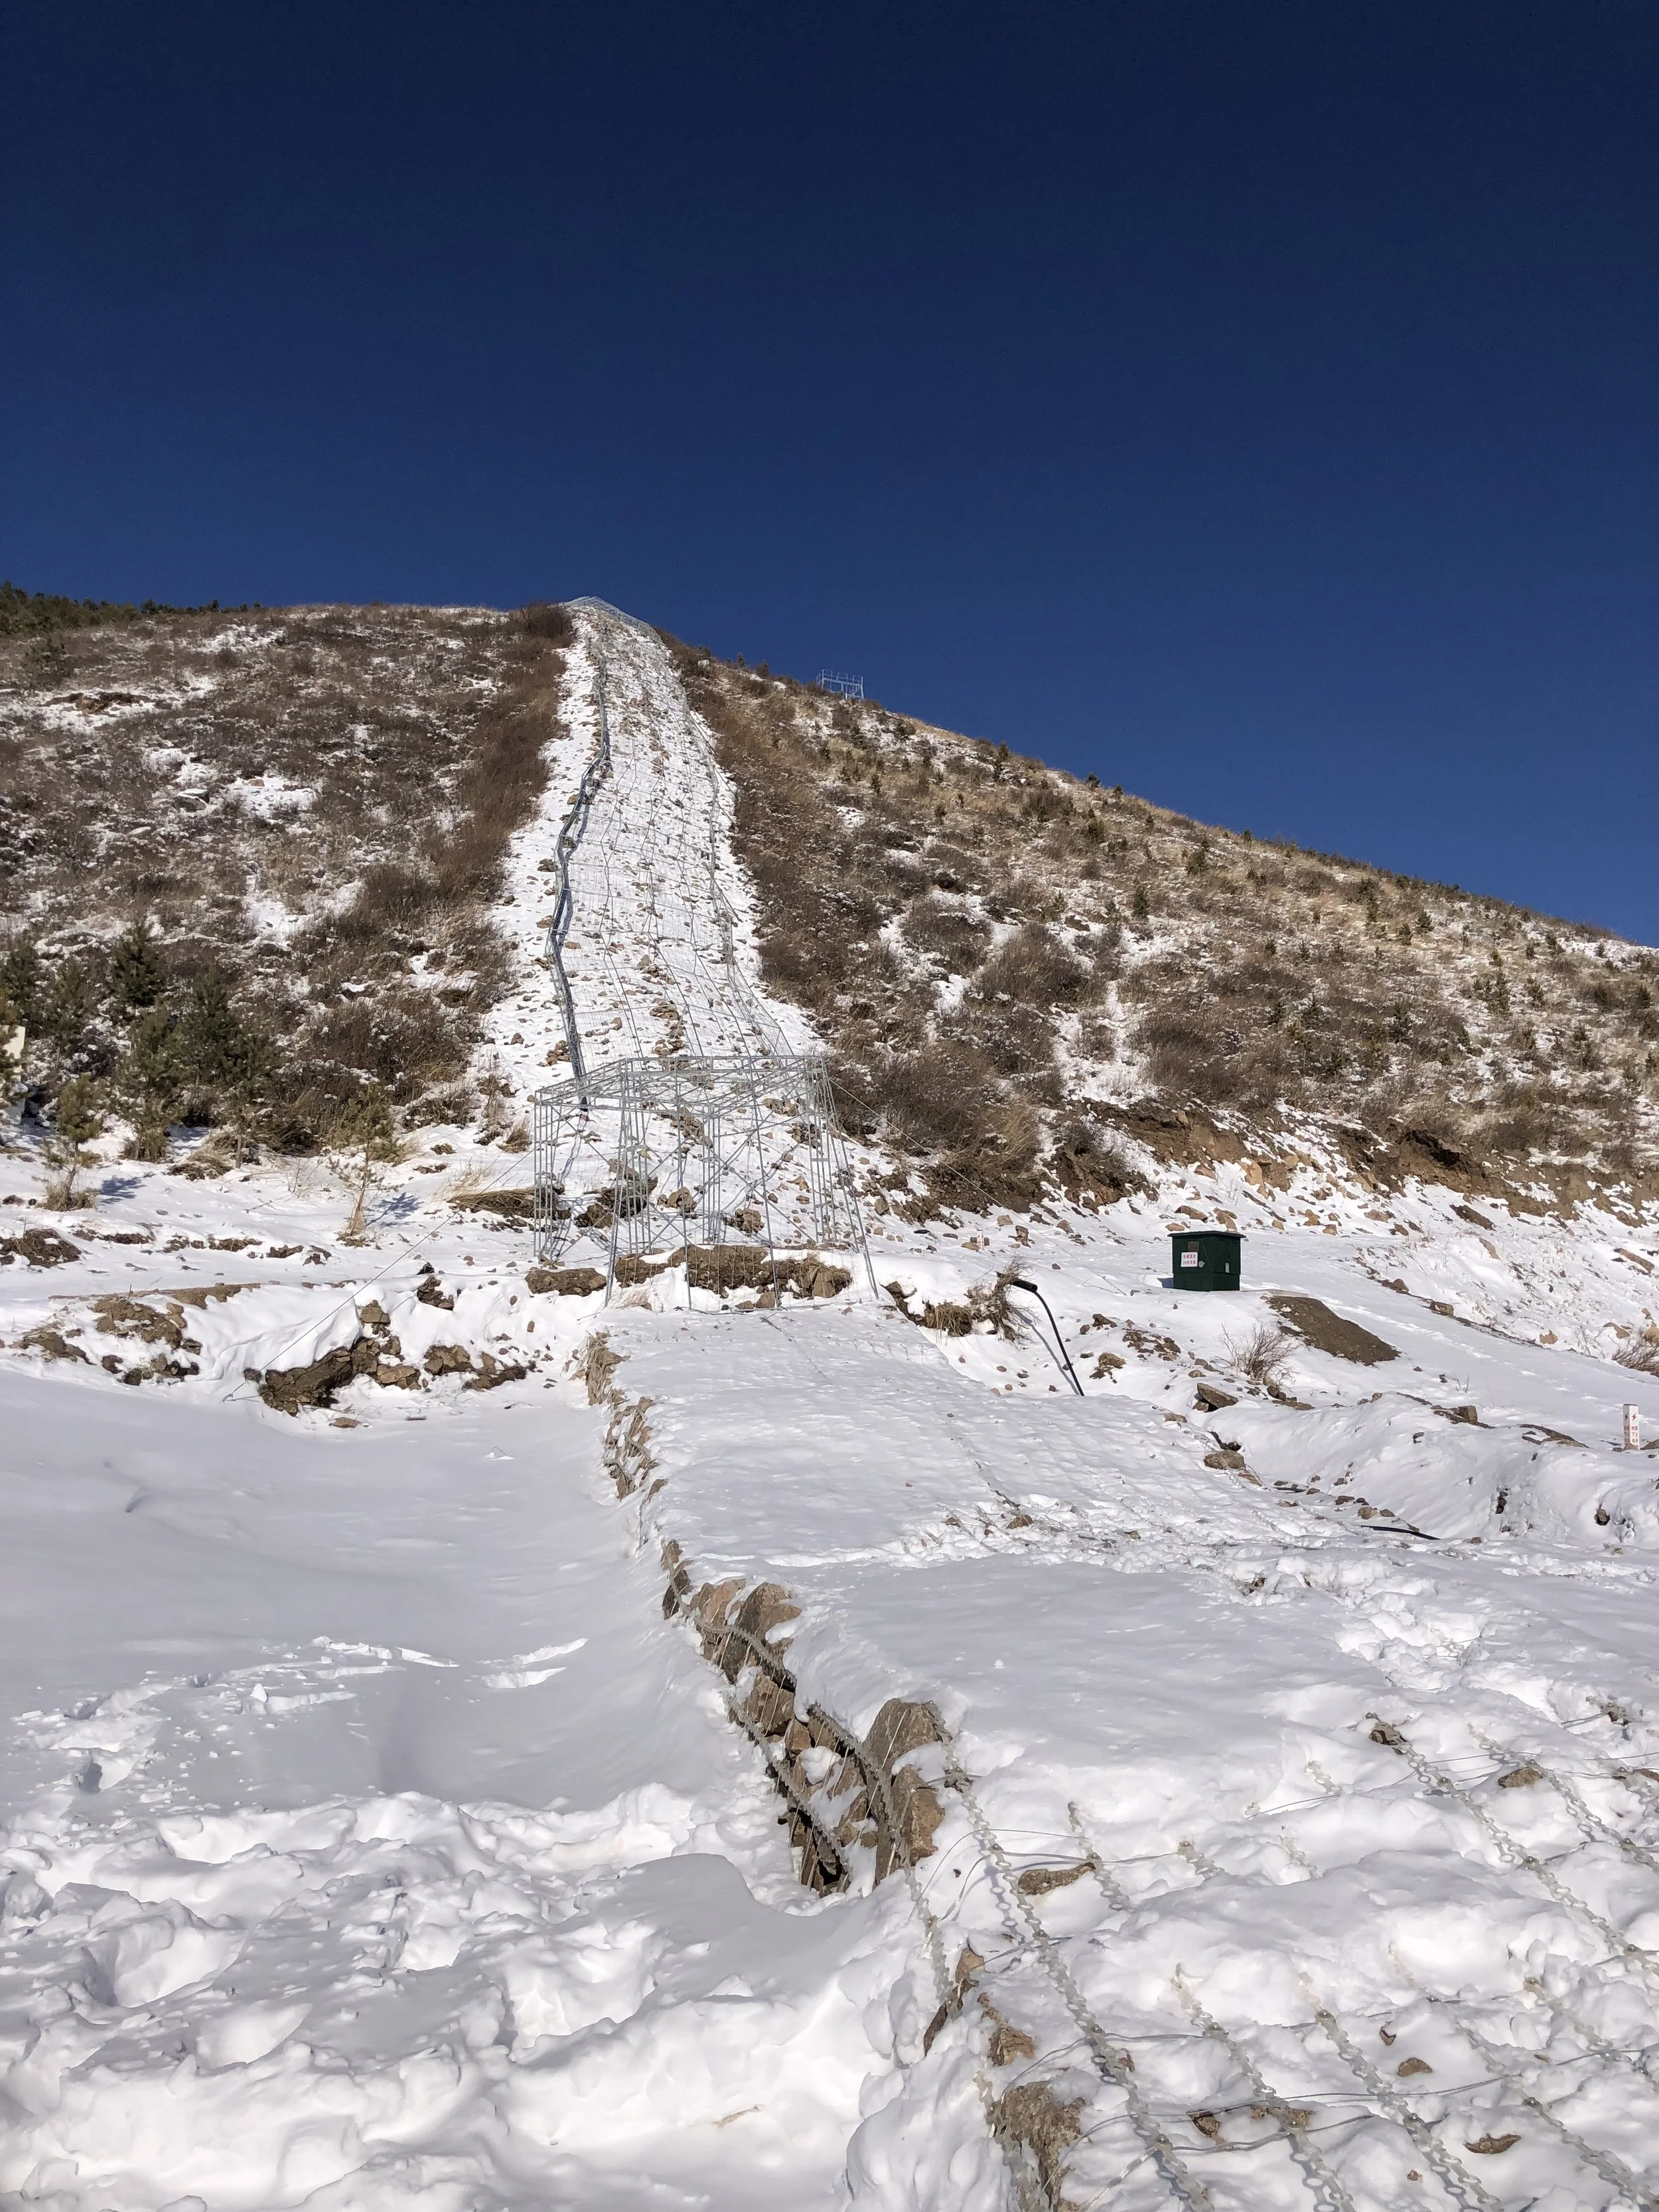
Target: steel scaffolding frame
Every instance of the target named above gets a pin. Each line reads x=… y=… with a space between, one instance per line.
x=649 y=1156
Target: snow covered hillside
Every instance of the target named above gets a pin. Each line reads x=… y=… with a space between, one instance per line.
x=466 y=1741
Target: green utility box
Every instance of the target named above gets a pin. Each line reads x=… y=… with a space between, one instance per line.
x=1205 y=1259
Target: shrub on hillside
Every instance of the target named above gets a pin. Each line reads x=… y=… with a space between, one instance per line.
x=956 y=936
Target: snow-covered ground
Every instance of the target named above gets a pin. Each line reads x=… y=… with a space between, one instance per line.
x=1283 y=1772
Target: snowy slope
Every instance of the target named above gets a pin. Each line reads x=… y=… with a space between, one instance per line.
x=371 y=1837
x=656 y=897
x=1280 y=1782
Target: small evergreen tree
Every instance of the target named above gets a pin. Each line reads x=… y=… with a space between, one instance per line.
x=147 y=1082
x=365 y=1142
x=223 y=1055
x=75 y=1125
x=70 y=1003
x=13 y=1037
x=137 y=971
x=23 y=981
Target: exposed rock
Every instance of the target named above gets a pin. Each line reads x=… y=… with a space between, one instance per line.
x=431 y=1292
x=287 y=1389
x=767 y=1606
x=448 y=1359
x=1009 y=2044
x=709 y=1603
x=918 y=1812
x=1213 y=1399
x=512 y=1204
x=121 y=1315
x=38 y=1247
x=1032 y=2114
x=903 y=1726
x=597 y=1361
x=771 y=1708
x=722 y=1268
x=1037 y=1881
x=493 y=1372
x=53 y=1343
x=900 y=1726
x=562 y=1282
x=1190 y=1138
x=727 y=1266
x=201 y=1295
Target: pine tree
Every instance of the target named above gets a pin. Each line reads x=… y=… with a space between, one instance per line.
x=13 y=1037
x=137 y=971
x=223 y=1053
x=75 y=1125
x=147 y=1082
x=23 y=980
x=70 y=1003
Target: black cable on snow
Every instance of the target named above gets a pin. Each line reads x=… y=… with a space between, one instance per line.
x=1020 y=1283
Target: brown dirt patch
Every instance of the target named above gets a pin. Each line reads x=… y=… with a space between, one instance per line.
x=1315 y=1324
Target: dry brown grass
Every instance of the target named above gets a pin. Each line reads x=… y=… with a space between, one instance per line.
x=160 y=779
x=1252 y=982
x=1263 y=1357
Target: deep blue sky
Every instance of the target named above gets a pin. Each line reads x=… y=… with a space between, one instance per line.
x=1254 y=403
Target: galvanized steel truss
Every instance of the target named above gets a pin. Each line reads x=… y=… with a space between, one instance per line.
x=649 y=1156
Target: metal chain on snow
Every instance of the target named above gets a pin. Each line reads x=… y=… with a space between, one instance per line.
x=1598 y=1830
x=876 y=1781
x=1328 y=2188
x=1112 y=2064
x=1113 y=1889
x=572 y=830
x=1611 y=2168
x=1640 y=2061
x=1455 y=2175
x=1514 y=1853
x=828 y=1857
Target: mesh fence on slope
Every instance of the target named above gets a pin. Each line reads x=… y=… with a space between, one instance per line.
x=721 y=1139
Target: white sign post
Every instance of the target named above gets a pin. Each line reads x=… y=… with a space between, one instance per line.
x=1632 y=1429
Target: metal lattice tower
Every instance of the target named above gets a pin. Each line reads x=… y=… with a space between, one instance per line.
x=654 y=1157
x=844 y=687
